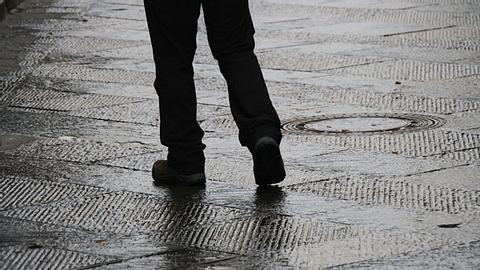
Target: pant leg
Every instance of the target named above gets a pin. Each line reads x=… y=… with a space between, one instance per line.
x=173 y=29
x=230 y=34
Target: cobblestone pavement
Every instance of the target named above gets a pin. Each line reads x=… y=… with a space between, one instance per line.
x=380 y=103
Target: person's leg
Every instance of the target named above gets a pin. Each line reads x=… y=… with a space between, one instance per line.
x=173 y=29
x=230 y=35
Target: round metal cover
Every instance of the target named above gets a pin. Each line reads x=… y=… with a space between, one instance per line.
x=372 y=123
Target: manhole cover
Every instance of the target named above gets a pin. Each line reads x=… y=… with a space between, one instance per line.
x=363 y=123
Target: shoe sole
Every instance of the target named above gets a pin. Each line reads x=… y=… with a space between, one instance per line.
x=268 y=165
x=198 y=179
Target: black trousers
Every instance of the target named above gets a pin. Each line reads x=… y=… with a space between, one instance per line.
x=173 y=28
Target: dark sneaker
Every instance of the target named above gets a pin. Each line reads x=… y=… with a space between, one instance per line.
x=164 y=174
x=267 y=162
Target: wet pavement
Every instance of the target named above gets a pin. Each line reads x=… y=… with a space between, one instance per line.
x=380 y=105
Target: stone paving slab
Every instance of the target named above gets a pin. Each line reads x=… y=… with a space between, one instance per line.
x=361 y=163
x=16 y=232
x=458 y=88
x=312 y=62
x=107 y=178
x=413 y=70
x=395 y=194
x=129 y=213
x=71 y=149
x=461 y=255
x=45 y=258
x=185 y=258
x=62 y=101
x=445 y=144
x=140 y=113
x=367 y=247
x=379 y=4
x=254 y=235
x=386 y=101
x=361 y=14
x=84 y=46
x=452 y=42
x=358 y=249
x=449 y=176
x=97 y=75
x=422 y=54
x=55 y=125
x=18 y=192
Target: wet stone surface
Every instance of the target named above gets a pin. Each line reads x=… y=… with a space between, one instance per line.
x=380 y=109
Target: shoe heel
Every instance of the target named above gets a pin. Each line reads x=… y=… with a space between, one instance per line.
x=268 y=162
